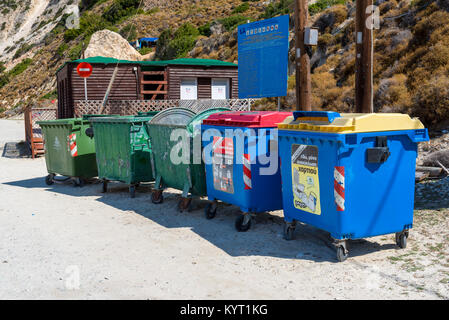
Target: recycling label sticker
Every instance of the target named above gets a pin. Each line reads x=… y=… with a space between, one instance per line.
x=306 y=185
x=223 y=166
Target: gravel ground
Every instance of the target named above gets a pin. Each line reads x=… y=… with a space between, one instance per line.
x=62 y=242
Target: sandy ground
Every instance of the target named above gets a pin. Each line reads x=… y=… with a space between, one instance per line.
x=63 y=242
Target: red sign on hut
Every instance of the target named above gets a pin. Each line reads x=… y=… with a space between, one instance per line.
x=84 y=70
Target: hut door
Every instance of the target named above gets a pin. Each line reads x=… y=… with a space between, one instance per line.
x=189 y=89
x=220 y=89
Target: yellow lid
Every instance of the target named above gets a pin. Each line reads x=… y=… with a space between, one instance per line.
x=333 y=122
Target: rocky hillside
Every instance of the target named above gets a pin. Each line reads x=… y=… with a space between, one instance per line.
x=36 y=40
x=411 y=46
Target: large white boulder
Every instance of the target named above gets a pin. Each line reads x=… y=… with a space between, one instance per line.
x=110 y=44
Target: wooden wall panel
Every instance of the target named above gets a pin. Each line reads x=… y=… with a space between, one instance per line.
x=125 y=86
x=204 y=75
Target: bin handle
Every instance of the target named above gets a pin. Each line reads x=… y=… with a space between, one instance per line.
x=330 y=116
x=140 y=146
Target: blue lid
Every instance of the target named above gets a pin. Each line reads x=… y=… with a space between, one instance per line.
x=329 y=115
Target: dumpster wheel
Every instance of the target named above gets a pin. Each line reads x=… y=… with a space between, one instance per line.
x=342 y=253
x=241 y=225
x=210 y=210
x=157 y=197
x=132 y=191
x=401 y=239
x=289 y=231
x=49 y=179
x=105 y=186
x=184 y=204
x=78 y=182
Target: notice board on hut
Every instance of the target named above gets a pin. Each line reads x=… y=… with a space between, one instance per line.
x=263 y=58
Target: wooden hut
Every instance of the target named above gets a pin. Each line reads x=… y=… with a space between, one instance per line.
x=181 y=79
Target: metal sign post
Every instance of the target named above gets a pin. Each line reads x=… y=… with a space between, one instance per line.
x=85 y=89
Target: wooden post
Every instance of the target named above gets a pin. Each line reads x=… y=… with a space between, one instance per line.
x=303 y=78
x=364 y=57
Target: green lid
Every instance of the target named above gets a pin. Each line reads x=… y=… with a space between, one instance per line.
x=196 y=121
x=68 y=121
x=121 y=119
x=88 y=116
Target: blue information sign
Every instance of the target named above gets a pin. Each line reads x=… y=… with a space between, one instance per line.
x=263 y=58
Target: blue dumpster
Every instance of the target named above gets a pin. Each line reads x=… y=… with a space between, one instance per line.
x=352 y=175
x=239 y=172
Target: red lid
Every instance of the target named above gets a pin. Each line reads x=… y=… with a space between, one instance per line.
x=250 y=119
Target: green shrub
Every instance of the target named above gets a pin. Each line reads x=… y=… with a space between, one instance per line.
x=50 y=95
x=176 y=44
x=145 y=50
x=233 y=21
x=121 y=9
x=75 y=52
x=22 y=50
x=277 y=8
x=62 y=48
x=72 y=34
x=241 y=8
x=20 y=67
x=153 y=10
x=88 y=4
x=4 y=79
x=129 y=32
x=205 y=30
x=321 y=5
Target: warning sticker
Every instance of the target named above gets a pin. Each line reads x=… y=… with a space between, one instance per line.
x=306 y=186
x=223 y=164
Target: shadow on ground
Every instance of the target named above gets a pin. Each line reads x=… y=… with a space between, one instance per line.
x=16 y=150
x=265 y=238
x=432 y=195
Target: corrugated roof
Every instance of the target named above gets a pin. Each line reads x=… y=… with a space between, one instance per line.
x=162 y=63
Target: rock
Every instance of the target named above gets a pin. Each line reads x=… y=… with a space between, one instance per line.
x=441 y=156
x=217 y=28
x=110 y=44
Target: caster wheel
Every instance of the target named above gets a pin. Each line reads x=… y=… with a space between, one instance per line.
x=401 y=240
x=132 y=191
x=289 y=232
x=49 y=180
x=105 y=187
x=157 y=197
x=78 y=182
x=240 y=226
x=184 y=204
x=210 y=211
x=342 y=254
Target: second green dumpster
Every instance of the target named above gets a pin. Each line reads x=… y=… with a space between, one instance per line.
x=123 y=150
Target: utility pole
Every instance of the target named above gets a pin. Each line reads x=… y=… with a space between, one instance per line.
x=364 y=57
x=303 y=78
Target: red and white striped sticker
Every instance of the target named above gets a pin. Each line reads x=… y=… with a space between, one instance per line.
x=339 y=188
x=247 y=172
x=72 y=145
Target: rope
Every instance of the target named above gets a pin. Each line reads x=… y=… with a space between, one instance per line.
x=106 y=95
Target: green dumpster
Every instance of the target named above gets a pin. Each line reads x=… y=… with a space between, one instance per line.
x=123 y=150
x=187 y=176
x=69 y=151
